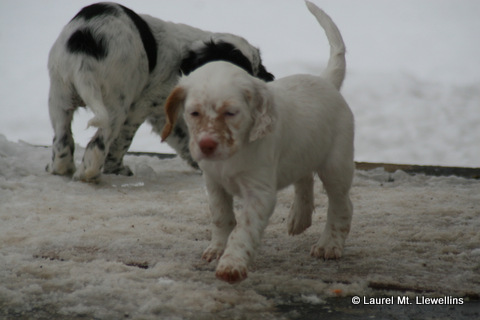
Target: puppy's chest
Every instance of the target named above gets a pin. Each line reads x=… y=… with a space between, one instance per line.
x=229 y=181
x=231 y=184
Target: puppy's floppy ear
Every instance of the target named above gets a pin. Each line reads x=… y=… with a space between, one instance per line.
x=263 y=111
x=173 y=106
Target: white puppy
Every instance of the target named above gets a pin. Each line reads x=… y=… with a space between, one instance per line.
x=253 y=138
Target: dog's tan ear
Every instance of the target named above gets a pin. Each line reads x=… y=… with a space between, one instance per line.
x=172 y=108
x=263 y=111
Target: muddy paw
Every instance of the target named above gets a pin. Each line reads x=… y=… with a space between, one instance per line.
x=231 y=274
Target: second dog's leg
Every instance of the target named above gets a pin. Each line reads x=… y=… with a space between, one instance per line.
x=93 y=159
x=61 y=115
x=119 y=147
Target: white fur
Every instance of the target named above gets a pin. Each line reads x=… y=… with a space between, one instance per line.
x=268 y=136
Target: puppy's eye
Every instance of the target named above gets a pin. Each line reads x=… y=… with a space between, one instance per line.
x=195 y=114
x=230 y=114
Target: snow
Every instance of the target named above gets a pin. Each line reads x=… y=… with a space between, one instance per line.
x=413 y=77
x=131 y=246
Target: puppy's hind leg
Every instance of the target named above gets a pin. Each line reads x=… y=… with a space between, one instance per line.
x=337 y=179
x=61 y=110
x=300 y=216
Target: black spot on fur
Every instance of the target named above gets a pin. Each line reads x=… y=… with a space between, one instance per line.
x=179 y=133
x=112 y=159
x=83 y=41
x=67 y=141
x=98 y=142
x=215 y=51
x=113 y=162
x=95 y=10
x=264 y=74
x=148 y=40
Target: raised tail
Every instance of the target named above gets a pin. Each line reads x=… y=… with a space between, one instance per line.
x=335 y=71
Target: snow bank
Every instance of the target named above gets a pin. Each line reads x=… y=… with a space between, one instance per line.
x=131 y=246
x=412 y=67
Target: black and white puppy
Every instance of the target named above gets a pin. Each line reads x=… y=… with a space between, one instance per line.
x=123 y=66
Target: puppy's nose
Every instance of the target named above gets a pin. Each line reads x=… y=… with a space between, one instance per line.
x=208 y=146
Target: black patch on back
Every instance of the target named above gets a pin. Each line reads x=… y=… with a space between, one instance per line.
x=101 y=9
x=215 y=51
x=264 y=74
x=95 y=10
x=148 y=40
x=220 y=51
x=83 y=41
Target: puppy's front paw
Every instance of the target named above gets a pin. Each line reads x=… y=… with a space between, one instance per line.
x=214 y=251
x=231 y=273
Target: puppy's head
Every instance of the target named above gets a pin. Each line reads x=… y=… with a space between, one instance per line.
x=224 y=108
x=226 y=47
